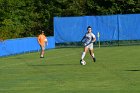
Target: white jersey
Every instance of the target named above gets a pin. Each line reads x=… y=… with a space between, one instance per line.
x=88 y=38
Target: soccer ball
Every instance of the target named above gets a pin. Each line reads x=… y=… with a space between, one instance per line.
x=45 y=40
x=83 y=62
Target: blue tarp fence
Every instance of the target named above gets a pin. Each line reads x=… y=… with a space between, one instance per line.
x=23 y=45
x=113 y=27
x=72 y=29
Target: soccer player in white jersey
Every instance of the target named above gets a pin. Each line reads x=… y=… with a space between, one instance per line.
x=88 y=40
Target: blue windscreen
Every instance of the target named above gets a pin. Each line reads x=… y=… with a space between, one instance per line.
x=22 y=45
x=67 y=29
x=129 y=27
x=113 y=27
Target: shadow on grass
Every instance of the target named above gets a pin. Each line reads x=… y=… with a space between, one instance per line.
x=53 y=64
x=132 y=70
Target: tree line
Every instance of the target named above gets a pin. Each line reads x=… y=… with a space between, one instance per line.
x=25 y=18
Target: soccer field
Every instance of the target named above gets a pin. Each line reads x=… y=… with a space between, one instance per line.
x=117 y=70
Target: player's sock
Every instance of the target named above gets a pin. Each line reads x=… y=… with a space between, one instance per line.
x=83 y=55
x=93 y=56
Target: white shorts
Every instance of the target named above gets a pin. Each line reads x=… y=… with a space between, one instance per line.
x=90 y=46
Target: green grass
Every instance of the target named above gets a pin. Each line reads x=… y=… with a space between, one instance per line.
x=117 y=70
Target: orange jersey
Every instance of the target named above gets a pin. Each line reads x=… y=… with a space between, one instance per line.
x=41 y=39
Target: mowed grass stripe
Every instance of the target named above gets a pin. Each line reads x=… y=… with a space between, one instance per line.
x=19 y=59
x=60 y=72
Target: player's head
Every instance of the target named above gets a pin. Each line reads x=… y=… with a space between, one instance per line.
x=42 y=32
x=89 y=29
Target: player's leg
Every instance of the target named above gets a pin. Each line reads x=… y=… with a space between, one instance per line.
x=42 y=52
x=91 y=51
x=92 y=55
x=84 y=53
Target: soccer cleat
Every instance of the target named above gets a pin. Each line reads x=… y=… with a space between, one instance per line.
x=41 y=56
x=94 y=59
x=80 y=61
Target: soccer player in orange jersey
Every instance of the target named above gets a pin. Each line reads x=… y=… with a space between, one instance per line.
x=42 y=39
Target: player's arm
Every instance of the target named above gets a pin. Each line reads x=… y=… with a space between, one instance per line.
x=94 y=38
x=39 y=40
x=46 y=40
x=83 y=38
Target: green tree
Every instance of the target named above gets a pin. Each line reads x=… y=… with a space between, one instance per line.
x=24 y=18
